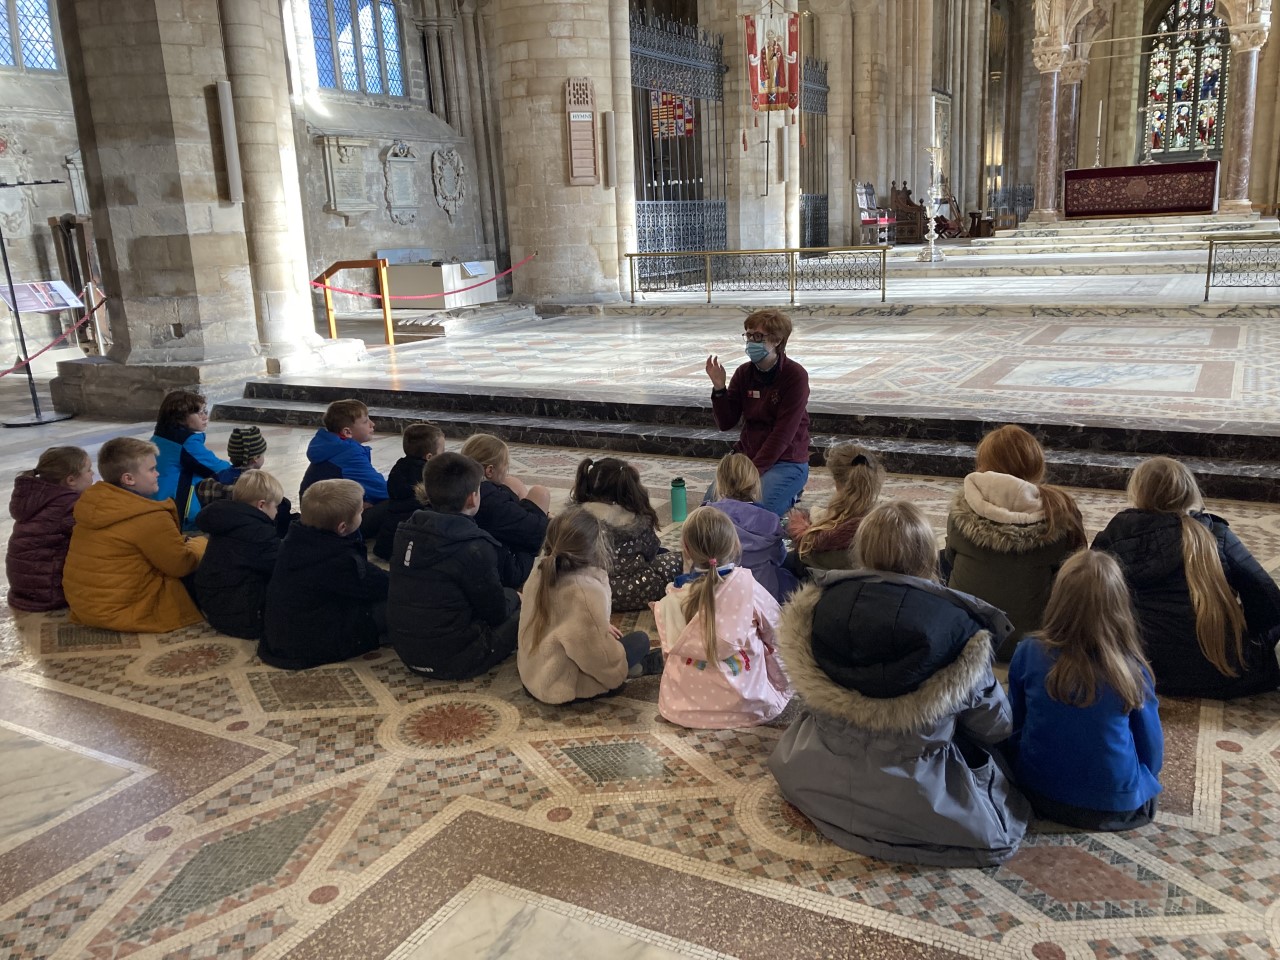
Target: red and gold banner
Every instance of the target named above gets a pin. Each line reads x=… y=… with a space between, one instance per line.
x=671 y=115
x=773 y=61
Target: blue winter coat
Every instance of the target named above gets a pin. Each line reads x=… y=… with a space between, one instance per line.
x=182 y=458
x=1099 y=757
x=763 y=552
x=355 y=460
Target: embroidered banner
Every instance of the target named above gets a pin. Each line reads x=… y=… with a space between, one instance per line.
x=671 y=115
x=773 y=60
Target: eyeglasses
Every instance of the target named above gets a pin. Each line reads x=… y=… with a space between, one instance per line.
x=754 y=337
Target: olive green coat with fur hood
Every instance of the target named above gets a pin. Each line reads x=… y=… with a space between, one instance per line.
x=1000 y=550
x=892 y=755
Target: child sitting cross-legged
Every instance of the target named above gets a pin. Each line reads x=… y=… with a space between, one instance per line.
x=759 y=530
x=42 y=508
x=894 y=754
x=326 y=602
x=568 y=648
x=421 y=442
x=183 y=458
x=718 y=628
x=340 y=450
x=511 y=512
x=822 y=542
x=1087 y=740
x=231 y=584
x=128 y=557
x=450 y=615
x=247 y=450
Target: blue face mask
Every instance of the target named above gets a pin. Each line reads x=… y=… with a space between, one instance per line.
x=756 y=351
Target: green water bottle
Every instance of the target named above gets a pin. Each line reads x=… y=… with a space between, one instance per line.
x=679 y=500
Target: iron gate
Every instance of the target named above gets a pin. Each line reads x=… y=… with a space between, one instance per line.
x=677 y=76
x=814 y=159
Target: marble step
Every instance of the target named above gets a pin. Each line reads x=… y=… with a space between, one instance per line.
x=1078 y=468
x=1083 y=247
x=1082 y=310
x=968 y=266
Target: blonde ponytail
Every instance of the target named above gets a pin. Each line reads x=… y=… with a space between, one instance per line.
x=1219 y=620
x=709 y=540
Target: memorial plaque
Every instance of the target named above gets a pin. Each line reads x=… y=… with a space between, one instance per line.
x=401 y=191
x=345 y=175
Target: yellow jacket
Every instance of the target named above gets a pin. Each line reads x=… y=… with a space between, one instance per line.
x=125 y=562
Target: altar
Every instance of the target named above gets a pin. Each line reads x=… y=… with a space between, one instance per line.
x=1144 y=190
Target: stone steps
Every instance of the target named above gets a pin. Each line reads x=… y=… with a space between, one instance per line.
x=1228 y=465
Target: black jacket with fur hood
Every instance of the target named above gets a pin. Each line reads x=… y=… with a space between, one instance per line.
x=1000 y=549
x=891 y=756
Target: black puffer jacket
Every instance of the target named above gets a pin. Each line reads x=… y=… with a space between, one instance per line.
x=320 y=601
x=231 y=581
x=446 y=593
x=519 y=525
x=1148 y=545
x=403 y=502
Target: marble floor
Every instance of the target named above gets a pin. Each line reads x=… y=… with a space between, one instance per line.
x=171 y=796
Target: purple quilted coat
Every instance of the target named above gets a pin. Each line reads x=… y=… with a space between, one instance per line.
x=38 y=545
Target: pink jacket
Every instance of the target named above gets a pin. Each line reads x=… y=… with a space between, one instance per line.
x=745 y=685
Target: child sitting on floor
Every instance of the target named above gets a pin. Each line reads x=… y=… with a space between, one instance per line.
x=41 y=506
x=183 y=457
x=568 y=649
x=420 y=442
x=338 y=451
x=326 y=602
x=718 y=627
x=512 y=513
x=759 y=530
x=1087 y=737
x=639 y=568
x=231 y=584
x=824 y=543
x=450 y=616
x=128 y=559
x=247 y=450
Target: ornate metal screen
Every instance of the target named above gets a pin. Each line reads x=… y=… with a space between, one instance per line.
x=677 y=76
x=813 y=153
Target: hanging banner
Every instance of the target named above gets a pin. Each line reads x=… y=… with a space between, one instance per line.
x=773 y=60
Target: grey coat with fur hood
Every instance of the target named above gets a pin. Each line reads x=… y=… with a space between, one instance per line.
x=891 y=756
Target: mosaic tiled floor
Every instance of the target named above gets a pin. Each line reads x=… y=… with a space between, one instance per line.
x=191 y=802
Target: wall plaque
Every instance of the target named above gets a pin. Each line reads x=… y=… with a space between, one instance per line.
x=399 y=164
x=580 y=108
x=345 y=176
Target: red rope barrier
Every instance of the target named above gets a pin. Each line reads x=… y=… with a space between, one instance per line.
x=70 y=330
x=425 y=296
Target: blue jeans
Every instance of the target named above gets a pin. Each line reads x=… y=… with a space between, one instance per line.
x=781 y=484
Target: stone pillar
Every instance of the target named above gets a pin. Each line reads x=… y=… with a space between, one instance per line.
x=974 y=87
x=1069 y=119
x=573 y=229
x=623 y=161
x=173 y=253
x=253 y=40
x=480 y=125
x=1049 y=60
x=1246 y=41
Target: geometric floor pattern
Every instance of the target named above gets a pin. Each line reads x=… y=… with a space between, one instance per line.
x=350 y=811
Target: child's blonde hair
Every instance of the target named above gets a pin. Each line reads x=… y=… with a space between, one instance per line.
x=859 y=477
x=709 y=540
x=1089 y=624
x=60 y=464
x=328 y=503
x=1166 y=486
x=895 y=537
x=121 y=455
x=737 y=479
x=575 y=540
x=255 y=485
x=1012 y=450
x=488 y=451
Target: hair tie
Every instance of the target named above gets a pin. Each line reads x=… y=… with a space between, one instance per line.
x=713 y=561
x=860 y=460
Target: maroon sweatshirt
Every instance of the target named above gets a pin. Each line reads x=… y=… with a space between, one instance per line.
x=38 y=545
x=773 y=408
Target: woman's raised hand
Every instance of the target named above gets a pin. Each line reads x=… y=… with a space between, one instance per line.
x=715 y=370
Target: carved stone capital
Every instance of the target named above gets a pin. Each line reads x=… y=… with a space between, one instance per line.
x=1251 y=36
x=1073 y=71
x=1049 y=57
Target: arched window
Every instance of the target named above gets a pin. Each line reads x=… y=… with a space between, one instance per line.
x=358 y=46
x=1185 y=71
x=27 y=35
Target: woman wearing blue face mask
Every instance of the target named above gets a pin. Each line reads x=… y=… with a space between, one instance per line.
x=769 y=396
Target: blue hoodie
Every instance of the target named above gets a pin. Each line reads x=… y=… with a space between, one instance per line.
x=355 y=460
x=182 y=458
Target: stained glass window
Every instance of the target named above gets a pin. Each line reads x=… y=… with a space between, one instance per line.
x=357 y=44
x=1186 y=75
x=27 y=37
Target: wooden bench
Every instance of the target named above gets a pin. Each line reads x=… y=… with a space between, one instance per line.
x=878 y=224
x=911 y=215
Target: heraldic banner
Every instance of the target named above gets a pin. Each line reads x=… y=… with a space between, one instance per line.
x=773 y=61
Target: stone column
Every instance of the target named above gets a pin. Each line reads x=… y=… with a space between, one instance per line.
x=1069 y=118
x=479 y=124
x=624 y=164
x=253 y=41
x=1049 y=60
x=173 y=253
x=1246 y=42
x=573 y=229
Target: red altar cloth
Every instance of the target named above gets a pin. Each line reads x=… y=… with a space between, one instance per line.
x=1149 y=189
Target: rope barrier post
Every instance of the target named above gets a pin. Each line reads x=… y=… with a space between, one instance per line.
x=791 y=275
x=883 y=269
x=706 y=267
x=631 y=263
x=386 y=302
x=1208 y=272
x=323 y=281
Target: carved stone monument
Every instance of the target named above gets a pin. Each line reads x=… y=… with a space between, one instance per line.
x=401 y=192
x=345 y=176
x=448 y=176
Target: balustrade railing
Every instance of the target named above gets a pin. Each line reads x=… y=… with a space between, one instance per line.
x=1246 y=261
x=738 y=271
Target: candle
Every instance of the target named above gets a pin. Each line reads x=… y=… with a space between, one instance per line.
x=933 y=121
x=1099 y=119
